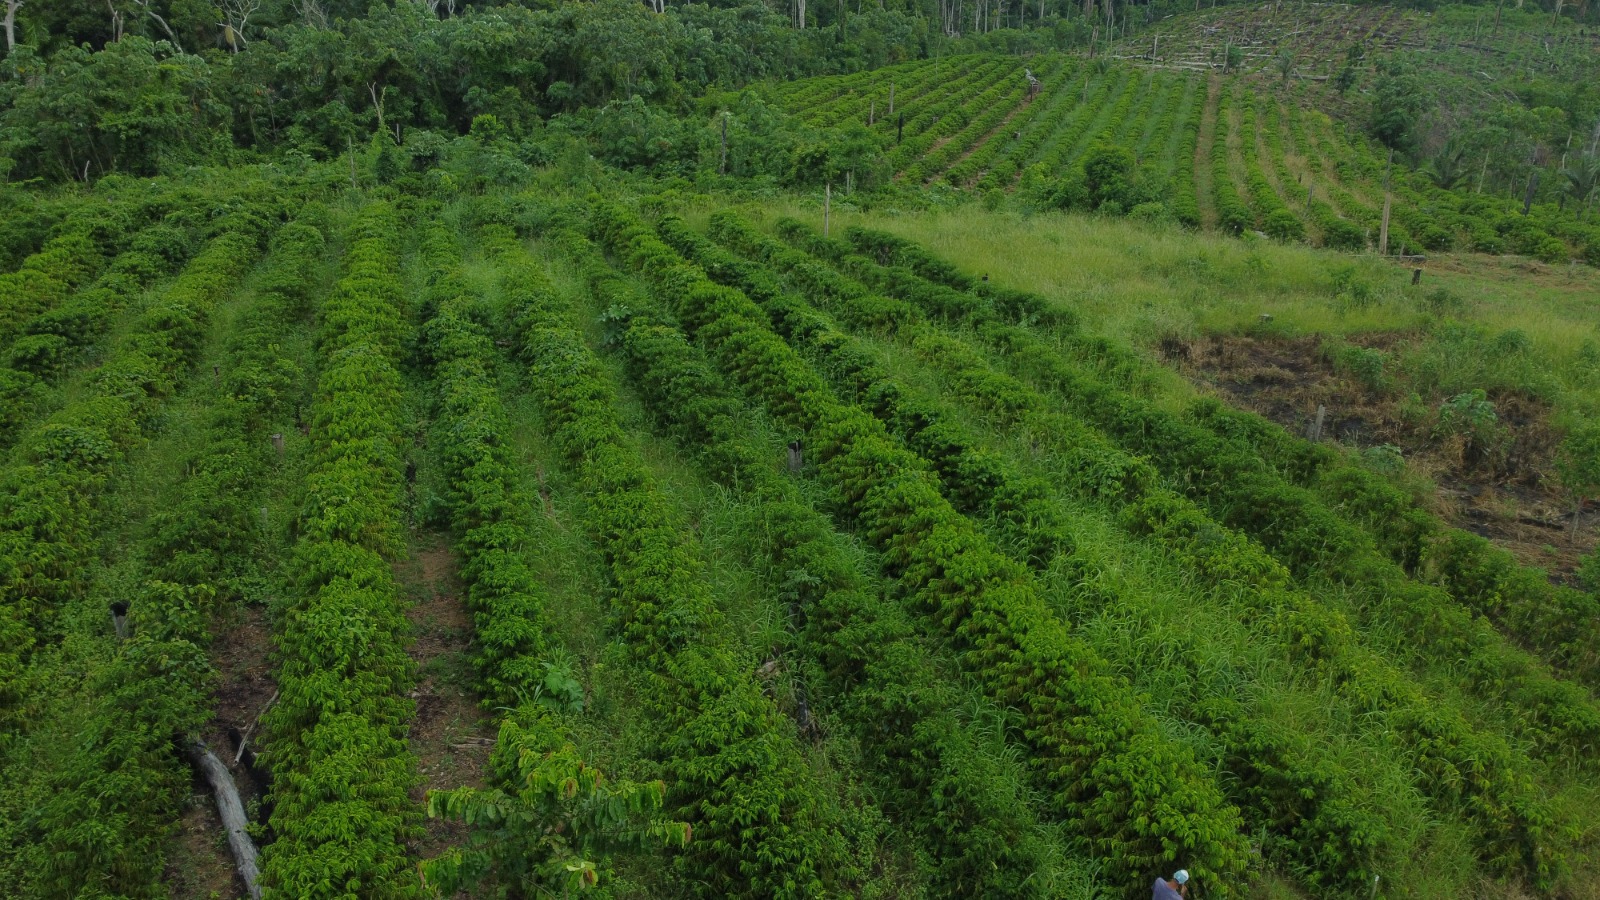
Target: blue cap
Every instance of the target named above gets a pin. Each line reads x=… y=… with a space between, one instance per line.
x=1181 y=876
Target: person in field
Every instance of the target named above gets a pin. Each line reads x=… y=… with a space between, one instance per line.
x=1174 y=888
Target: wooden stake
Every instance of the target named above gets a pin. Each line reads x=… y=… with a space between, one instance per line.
x=1388 y=197
x=796 y=459
x=1416 y=276
x=1314 y=433
x=872 y=112
x=827 y=206
x=722 y=165
x=277 y=442
x=891 y=98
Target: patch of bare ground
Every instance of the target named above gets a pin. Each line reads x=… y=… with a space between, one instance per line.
x=450 y=735
x=199 y=864
x=1515 y=504
x=1202 y=153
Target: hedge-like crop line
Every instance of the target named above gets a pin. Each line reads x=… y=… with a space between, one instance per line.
x=1163 y=112
x=1292 y=523
x=45 y=279
x=954 y=117
x=1178 y=156
x=484 y=494
x=920 y=79
x=1225 y=557
x=1233 y=215
x=914 y=139
x=1063 y=106
x=51 y=340
x=49 y=528
x=1338 y=232
x=105 y=804
x=978 y=482
x=730 y=757
x=1562 y=624
x=1276 y=218
x=1068 y=144
x=1052 y=80
x=1137 y=798
x=1557 y=622
x=987 y=111
x=938 y=777
x=337 y=738
x=1106 y=473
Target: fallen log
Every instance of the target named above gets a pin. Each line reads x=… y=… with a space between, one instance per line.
x=231 y=810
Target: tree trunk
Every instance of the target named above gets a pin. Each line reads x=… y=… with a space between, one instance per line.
x=11 y=24
x=231 y=810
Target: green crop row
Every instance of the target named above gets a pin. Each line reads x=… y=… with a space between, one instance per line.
x=1224 y=558
x=849 y=95
x=948 y=97
x=1519 y=835
x=1336 y=233
x=1003 y=172
x=986 y=111
x=1291 y=522
x=50 y=523
x=98 y=810
x=919 y=79
x=1136 y=115
x=1162 y=113
x=1560 y=623
x=1276 y=219
x=1069 y=144
x=51 y=340
x=45 y=279
x=1052 y=79
x=952 y=118
x=484 y=492
x=1233 y=216
x=730 y=757
x=1178 y=157
x=1017 y=507
x=1134 y=796
x=337 y=739
x=934 y=771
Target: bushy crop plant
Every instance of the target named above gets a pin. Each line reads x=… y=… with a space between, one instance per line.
x=1091 y=745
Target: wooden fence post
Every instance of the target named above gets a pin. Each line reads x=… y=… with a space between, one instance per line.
x=1314 y=433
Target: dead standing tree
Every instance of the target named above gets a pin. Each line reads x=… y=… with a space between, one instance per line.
x=235 y=18
x=150 y=11
x=11 y=23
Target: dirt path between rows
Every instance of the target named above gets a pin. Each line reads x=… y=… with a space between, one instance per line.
x=451 y=735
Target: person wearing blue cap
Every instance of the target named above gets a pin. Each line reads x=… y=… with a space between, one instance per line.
x=1175 y=888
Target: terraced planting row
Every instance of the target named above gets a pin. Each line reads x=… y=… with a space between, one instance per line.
x=954 y=108
x=851 y=572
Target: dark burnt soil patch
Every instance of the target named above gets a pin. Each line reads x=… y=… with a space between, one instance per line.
x=1514 y=503
x=451 y=736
